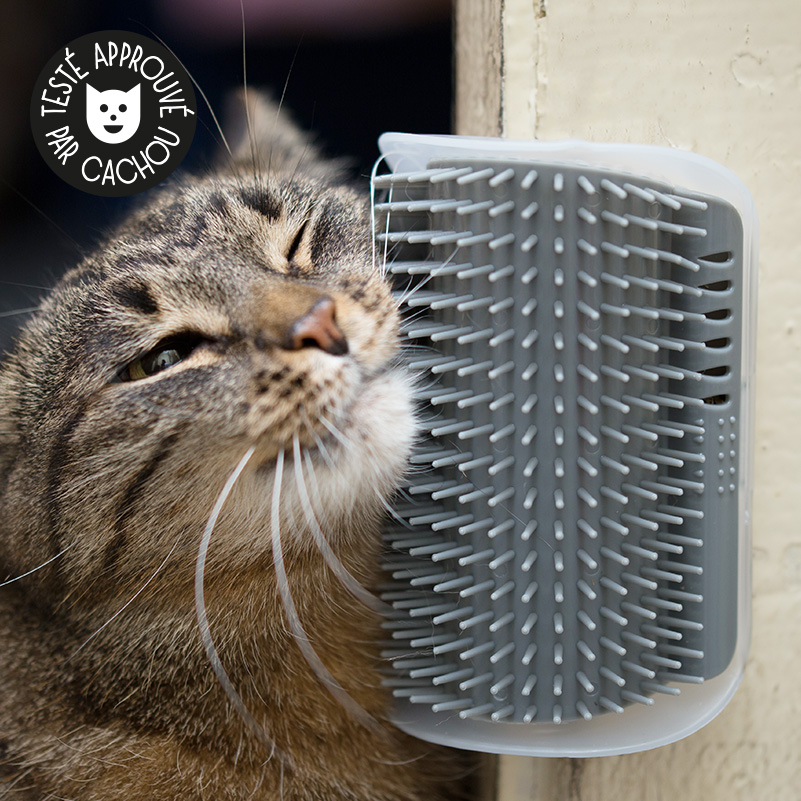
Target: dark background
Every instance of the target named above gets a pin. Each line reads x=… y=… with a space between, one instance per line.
x=348 y=79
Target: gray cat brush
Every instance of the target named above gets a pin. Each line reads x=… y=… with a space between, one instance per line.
x=573 y=573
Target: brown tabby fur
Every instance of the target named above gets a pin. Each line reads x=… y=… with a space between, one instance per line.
x=105 y=689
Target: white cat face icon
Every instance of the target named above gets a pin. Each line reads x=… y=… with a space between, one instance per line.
x=113 y=116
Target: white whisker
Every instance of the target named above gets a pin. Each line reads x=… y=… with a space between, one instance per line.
x=298 y=632
x=384 y=263
x=320 y=444
x=254 y=151
x=392 y=513
x=35 y=569
x=128 y=603
x=281 y=102
x=46 y=217
x=27 y=286
x=343 y=440
x=29 y=310
x=410 y=319
x=332 y=560
x=198 y=87
x=202 y=618
x=433 y=273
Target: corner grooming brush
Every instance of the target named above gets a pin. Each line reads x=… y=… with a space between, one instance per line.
x=573 y=577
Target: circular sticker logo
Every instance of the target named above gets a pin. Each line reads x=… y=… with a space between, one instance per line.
x=113 y=113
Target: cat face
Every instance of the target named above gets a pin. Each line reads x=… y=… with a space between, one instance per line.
x=238 y=310
x=113 y=116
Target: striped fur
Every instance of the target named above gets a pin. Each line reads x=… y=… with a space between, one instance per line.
x=105 y=689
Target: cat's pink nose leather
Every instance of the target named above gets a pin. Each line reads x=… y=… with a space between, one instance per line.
x=318 y=329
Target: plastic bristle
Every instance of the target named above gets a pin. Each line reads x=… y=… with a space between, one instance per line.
x=578 y=410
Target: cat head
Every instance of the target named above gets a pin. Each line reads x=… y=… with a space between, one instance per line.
x=236 y=310
x=113 y=116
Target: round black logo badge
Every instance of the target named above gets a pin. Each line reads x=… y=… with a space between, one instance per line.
x=113 y=113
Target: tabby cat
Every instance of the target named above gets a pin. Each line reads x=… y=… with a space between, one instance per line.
x=236 y=326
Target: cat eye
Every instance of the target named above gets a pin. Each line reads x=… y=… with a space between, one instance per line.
x=165 y=355
x=296 y=243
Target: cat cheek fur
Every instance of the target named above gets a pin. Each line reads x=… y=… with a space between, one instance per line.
x=381 y=431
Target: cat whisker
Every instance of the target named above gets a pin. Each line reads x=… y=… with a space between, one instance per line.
x=400 y=290
x=336 y=433
x=416 y=349
x=327 y=458
x=202 y=617
x=46 y=217
x=331 y=559
x=373 y=217
x=281 y=100
x=127 y=604
x=435 y=271
x=27 y=286
x=200 y=92
x=421 y=381
x=299 y=163
x=298 y=632
x=318 y=441
x=254 y=151
x=15 y=312
x=384 y=266
x=324 y=452
x=408 y=497
x=391 y=252
x=35 y=569
x=412 y=318
x=315 y=487
x=392 y=513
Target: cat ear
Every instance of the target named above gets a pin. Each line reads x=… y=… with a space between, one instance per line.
x=262 y=134
x=134 y=94
x=91 y=93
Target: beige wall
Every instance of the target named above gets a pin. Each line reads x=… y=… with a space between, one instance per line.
x=722 y=78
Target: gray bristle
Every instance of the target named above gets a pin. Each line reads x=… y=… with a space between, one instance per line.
x=571 y=546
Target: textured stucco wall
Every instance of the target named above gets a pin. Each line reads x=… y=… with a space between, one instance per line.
x=721 y=78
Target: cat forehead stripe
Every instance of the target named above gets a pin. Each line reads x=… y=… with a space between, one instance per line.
x=259 y=200
x=135 y=296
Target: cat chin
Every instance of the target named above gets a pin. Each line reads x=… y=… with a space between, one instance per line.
x=353 y=472
x=370 y=457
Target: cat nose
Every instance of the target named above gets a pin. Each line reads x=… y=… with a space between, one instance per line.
x=318 y=328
